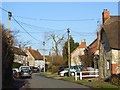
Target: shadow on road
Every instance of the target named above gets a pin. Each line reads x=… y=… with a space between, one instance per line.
x=15 y=84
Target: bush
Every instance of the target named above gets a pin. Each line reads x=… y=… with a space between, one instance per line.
x=54 y=69
x=16 y=65
x=115 y=80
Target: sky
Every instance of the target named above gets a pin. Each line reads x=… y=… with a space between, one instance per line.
x=40 y=19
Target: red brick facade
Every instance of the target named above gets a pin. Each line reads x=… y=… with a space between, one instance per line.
x=114 y=68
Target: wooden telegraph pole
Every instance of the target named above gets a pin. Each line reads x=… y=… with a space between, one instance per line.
x=9 y=18
x=44 y=54
x=68 y=30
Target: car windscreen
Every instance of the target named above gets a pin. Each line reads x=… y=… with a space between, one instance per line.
x=25 y=68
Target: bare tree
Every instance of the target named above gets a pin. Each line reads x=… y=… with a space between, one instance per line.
x=24 y=44
x=16 y=42
x=57 y=40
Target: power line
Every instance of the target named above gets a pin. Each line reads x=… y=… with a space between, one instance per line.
x=41 y=19
x=4 y=9
x=34 y=26
x=81 y=35
x=27 y=18
x=66 y=20
x=52 y=19
x=56 y=19
x=24 y=28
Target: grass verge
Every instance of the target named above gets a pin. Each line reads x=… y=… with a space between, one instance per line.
x=101 y=85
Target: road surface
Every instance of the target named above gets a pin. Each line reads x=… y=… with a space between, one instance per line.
x=39 y=81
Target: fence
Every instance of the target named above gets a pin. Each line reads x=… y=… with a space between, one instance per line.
x=82 y=74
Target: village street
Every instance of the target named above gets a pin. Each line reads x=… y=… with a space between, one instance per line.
x=60 y=45
x=39 y=81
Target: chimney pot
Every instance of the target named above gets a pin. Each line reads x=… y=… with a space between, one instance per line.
x=30 y=47
x=105 y=15
x=19 y=46
x=83 y=40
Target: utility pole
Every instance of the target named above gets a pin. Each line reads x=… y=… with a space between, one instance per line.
x=9 y=18
x=44 y=54
x=68 y=30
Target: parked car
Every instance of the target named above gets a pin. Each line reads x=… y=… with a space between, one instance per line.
x=62 y=68
x=73 y=69
x=34 y=69
x=15 y=74
x=25 y=71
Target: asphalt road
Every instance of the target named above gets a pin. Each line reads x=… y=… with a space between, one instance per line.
x=39 y=81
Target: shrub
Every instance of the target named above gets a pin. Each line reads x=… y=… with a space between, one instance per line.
x=115 y=80
x=54 y=69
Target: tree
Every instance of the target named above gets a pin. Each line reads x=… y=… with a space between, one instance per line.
x=73 y=46
x=57 y=40
x=7 y=56
x=87 y=59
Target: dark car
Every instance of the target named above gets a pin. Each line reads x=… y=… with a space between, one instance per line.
x=15 y=74
x=25 y=71
x=34 y=69
x=62 y=68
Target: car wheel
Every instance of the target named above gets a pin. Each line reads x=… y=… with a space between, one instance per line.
x=30 y=77
x=66 y=74
x=61 y=74
x=72 y=74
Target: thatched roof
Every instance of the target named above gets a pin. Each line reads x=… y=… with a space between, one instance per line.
x=112 y=30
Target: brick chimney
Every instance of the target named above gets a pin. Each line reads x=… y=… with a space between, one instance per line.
x=105 y=15
x=26 y=48
x=83 y=44
x=84 y=40
x=19 y=46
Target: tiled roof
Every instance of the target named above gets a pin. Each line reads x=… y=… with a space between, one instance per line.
x=82 y=45
x=35 y=54
x=93 y=46
x=18 y=51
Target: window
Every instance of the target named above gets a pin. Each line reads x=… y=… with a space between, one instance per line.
x=108 y=64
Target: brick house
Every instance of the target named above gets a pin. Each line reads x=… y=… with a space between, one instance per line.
x=109 y=45
x=33 y=55
x=79 y=51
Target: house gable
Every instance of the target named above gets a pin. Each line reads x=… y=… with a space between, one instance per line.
x=75 y=55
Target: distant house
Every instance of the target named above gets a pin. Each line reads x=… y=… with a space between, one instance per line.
x=109 y=45
x=33 y=55
x=93 y=47
x=79 y=51
x=91 y=54
x=20 y=56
